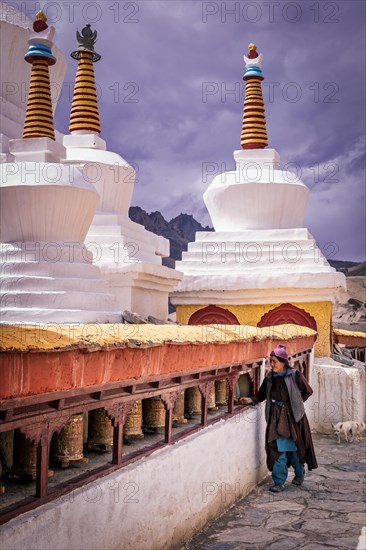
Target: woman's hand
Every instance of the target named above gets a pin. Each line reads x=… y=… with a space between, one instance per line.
x=245 y=401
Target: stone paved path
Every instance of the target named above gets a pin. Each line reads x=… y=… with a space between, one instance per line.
x=328 y=511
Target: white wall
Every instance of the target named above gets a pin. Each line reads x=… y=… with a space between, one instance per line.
x=339 y=394
x=154 y=504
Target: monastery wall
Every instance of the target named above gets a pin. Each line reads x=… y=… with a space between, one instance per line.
x=157 y=503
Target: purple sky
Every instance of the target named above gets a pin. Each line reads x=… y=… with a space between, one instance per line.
x=166 y=72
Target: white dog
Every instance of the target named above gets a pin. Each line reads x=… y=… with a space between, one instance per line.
x=348 y=428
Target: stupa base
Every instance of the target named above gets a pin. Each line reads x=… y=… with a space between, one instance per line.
x=53 y=284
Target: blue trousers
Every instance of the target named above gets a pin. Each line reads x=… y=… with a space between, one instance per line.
x=280 y=471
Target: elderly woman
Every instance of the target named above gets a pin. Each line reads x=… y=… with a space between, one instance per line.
x=288 y=436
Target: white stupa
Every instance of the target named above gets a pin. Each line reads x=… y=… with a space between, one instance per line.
x=260 y=264
x=129 y=256
x=47 y=206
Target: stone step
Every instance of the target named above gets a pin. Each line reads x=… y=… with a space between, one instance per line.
x=51 y=269
x=50 y=252
x=252 y=254
x=27 y=283
x=264 y=245
x=255 y=235
x=218 y=268
x=67 y=299
x=29 y=316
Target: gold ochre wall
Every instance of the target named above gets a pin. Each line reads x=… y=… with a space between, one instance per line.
x=251 y=315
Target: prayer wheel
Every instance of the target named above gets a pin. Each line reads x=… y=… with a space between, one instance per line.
x=133 y=423
x=211 y=401
x=178 y=411
x=153 y=411
x=221 y=392
x=242 y=387
x=24 y=457
x=68 y=444
x=100 y=430
x=193 y=401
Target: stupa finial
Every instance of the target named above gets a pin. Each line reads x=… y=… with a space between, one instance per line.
x=252 y=51
x=40 y=24
x=254 y=133
x=39 y=115
x=84 y=116
x=86 y=41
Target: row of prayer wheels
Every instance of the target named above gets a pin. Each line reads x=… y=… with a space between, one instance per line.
x=148 y=414
x=188 y=404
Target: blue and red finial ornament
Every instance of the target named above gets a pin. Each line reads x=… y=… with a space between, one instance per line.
x=253 y=63
x=40 y=49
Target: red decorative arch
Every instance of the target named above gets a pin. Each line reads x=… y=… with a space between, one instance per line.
x=287 y=313
x=213 y=315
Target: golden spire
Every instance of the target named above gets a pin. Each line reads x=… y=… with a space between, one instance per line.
x=84 y=110
x=39 y=114
x=254 y=133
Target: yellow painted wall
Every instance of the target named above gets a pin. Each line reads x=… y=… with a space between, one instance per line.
x=251 y=315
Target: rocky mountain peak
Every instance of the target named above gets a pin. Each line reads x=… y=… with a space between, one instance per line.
x=180 y=230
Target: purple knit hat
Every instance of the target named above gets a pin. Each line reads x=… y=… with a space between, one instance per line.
x=280 y=352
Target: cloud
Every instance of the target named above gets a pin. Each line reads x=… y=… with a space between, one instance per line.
x=157 y=57
x=336 y=210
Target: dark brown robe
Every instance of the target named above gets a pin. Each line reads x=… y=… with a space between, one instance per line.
x=282 y=421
